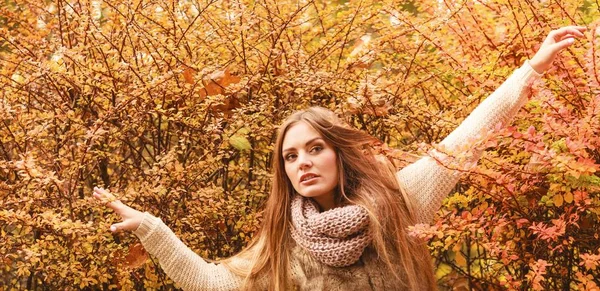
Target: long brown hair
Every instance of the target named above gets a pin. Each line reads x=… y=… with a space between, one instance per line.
x=363 y=181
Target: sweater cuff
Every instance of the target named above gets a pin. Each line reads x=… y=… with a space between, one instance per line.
x=147 y=226
x=528 y=74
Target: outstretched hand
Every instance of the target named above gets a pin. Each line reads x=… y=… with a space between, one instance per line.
x=556 y=41
x=130 y=217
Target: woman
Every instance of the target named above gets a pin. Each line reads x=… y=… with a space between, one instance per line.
x=336 y=219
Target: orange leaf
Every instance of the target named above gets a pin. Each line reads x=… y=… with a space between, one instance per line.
x=568 y=197
x=216 y=82
x=136 y=257
x=558 y=200
x=460 y=259
x=188 y=75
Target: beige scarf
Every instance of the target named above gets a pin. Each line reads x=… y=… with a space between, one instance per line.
x=336 y=237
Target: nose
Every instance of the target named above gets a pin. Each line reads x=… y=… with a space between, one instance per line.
x=304 y=161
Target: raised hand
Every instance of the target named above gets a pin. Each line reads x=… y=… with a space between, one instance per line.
x=556 y=41
x=130 y=217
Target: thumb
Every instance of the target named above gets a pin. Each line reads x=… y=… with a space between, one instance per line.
x=117 y=227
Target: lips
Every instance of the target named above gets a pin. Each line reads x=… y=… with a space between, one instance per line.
x=307 y=177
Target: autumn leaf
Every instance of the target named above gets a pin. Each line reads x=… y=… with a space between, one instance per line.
x=240 y=142
x=558 y=200
x=188 y=75
x=217 y=82
x=136 y=256
x=568 y=197
x=177 y=107
x=460 y=259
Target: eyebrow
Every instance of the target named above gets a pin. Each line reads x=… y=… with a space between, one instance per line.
x=307 y=143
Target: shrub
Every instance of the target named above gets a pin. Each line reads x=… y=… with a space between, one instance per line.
x=174 y=107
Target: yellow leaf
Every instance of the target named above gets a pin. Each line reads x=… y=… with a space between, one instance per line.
x=239 y=142
x=558 y=200
x=178 y=167
x=443 y=270
x=88 y=247
x=568 y=197
x=18 y=78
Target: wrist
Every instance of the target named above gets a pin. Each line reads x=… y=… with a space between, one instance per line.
x=147 y=224
x=537 y=66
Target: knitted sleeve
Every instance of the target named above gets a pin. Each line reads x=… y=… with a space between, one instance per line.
x=427 y=180
x=181 y=264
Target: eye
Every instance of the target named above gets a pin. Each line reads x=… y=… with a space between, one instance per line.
x=289 y=157
x=316 y=149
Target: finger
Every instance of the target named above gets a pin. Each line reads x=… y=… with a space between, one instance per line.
x=568 y=36
x=106 y=201
x=116 y=227
x=102 y=193
x=563 y=44
x=573 y=27
x=106 y=198
x=574 y=30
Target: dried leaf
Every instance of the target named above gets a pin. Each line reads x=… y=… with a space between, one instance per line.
x=136 y=256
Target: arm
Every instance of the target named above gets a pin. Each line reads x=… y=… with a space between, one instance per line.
x=428 y=181
x=181 y=264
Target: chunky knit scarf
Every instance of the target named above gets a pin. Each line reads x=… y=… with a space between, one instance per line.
x=336 y=237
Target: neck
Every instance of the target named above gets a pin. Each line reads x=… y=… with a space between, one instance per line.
x=325 y=203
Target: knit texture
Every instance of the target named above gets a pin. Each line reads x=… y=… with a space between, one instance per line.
x=426 y=180
x=336 y=237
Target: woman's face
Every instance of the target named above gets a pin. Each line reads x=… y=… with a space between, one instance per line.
x=310 y=164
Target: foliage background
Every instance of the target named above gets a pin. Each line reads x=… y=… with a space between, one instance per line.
x=174 y=105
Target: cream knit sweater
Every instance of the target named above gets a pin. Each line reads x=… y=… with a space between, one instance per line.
x=426 y=180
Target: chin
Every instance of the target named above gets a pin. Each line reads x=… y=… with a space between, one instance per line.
x=309 y=194
x=314 y=193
